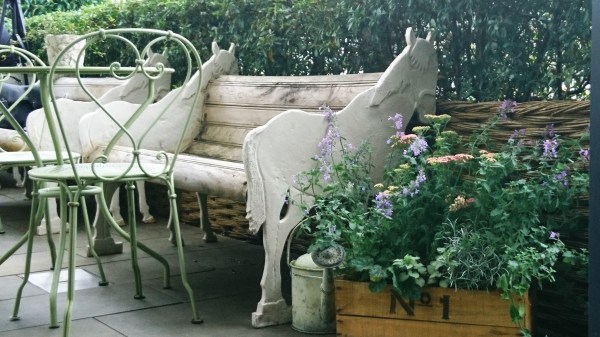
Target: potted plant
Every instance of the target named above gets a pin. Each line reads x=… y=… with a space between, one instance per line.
x=454 y=212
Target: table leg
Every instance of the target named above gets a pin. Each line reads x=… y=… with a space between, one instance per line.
x=104 y=243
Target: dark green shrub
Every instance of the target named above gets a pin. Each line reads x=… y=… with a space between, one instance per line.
x=487 y=50
x=40 y=7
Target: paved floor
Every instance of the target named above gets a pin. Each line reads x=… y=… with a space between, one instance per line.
x=225 y=276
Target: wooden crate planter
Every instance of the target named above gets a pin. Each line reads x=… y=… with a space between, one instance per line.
x=440 y=312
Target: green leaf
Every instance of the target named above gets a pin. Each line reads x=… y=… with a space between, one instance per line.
x=514 y=314
x=377 y=286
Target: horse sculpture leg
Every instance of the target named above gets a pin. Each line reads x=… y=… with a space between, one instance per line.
x=115 y=207
x=272 y=308
x=209 y=235
x=54 y=219
x=18 y=178
x=144 y=208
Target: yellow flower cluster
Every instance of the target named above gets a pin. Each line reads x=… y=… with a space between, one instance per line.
x=459 y=203
x=438 y=118
x=489 y=156
x=402 y=168
x=420 y=129
x=407 y=139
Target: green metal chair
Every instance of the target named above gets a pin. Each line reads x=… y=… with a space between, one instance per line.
x=28 y=156
x=125 y=126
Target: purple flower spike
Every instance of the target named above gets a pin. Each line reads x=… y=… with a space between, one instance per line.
x=550 y=131
x=418 y=146
x=398 y=124
x=383 y=204
x=585 y=154
x=328 y=113
x=507 y=108
x=550 y=146
x=563 y=177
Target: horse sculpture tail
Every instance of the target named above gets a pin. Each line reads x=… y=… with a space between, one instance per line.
x=256 y=203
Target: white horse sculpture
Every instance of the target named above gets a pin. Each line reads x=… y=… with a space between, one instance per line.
x=283 y=147
x=95 y=130
x=132 y=90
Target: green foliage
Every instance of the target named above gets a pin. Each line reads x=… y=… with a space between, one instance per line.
x=41 y=7
x=487 y=49
x=83 y=21
x=408 y=275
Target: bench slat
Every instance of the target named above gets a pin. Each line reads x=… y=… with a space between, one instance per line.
x=250 y=116
x=220 y=151
x=227 y=121
x=225 y=134
x=288 y=92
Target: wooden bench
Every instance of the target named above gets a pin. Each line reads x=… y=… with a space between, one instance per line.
x=236 y=104
x=250 y=141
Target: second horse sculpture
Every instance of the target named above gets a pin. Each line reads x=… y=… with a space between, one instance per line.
x=283 y=147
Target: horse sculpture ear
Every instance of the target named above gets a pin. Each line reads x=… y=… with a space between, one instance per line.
x=232 y=48
x=215 y=48
x=410 y=37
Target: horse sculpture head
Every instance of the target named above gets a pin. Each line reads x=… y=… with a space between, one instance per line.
x=416 y=69
x=134 y=90
x=222 y=62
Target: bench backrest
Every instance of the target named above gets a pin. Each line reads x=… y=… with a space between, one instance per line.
x=237 y=104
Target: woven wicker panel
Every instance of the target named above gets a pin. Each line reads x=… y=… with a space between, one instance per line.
x=227 y=217
x=570 y=118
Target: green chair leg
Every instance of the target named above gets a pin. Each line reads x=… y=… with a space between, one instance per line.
x=73 y=205
x=59 y=261
x=34 y=219
x=49 y=233
x=88 y=232
x=133 y=240
x=180 y=255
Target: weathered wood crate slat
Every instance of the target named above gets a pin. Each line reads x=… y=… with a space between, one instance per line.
x=440 y=312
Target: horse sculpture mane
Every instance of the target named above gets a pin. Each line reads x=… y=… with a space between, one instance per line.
x=277 y=151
